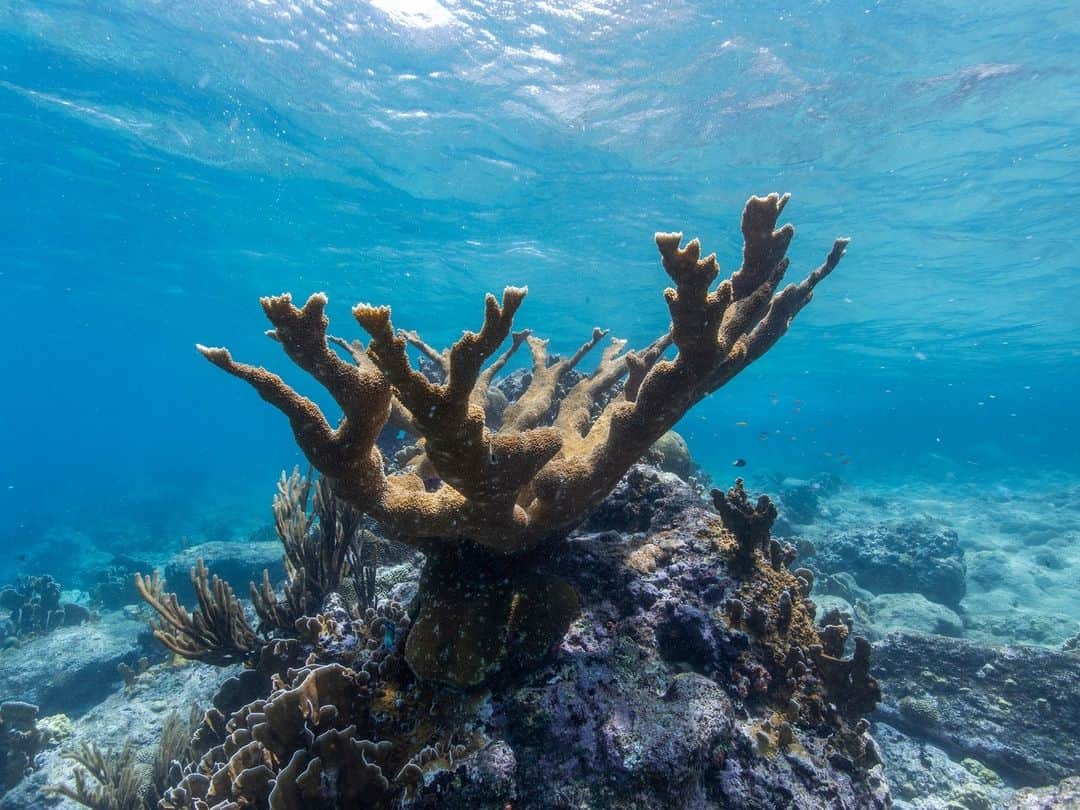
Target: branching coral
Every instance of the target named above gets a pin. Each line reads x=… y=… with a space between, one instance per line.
x=217 y=632
x=511 y=489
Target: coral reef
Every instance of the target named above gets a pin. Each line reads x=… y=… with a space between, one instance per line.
x=909 y=556
x=34 y=607
x=656 y=697
x=693 y=672
x=511 y=491
x=20 y=741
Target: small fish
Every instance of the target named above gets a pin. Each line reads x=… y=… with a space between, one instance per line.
x=763 y=435
x=741 y=423
x=739 y=462
x=388 y=636
x=20 y=557
x=432 y=484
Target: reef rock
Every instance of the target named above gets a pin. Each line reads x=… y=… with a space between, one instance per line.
x=237 y=563
x=1063 y=796
x=912 y=612
x=911 y=556
x=640 y=705
x=134 y=714
x=924 y=777
x=646 y=498
x=1016 y=709
x=72 y=667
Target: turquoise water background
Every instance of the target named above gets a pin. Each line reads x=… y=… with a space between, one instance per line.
x=163 y=165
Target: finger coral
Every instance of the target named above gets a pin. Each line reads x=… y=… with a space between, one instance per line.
x=34 y=607
x=20 y=741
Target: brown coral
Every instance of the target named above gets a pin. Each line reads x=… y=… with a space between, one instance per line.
x=511 y=489
x=329 y=735
x=804 y=663
x=217 y=632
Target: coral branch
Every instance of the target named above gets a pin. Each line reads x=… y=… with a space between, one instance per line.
x=538 y=398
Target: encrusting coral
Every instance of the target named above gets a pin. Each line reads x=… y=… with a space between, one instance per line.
x=344 y=725
x=472 y=495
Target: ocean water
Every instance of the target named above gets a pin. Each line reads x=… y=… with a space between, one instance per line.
x=162 y=165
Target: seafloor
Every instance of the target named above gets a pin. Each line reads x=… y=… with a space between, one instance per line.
x=968 y=595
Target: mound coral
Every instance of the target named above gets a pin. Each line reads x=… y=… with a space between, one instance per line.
x=34 y=607
x=482 y=500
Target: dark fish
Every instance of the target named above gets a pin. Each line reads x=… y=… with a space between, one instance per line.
x=20 y=557
x=432 y=484
x=739 y=462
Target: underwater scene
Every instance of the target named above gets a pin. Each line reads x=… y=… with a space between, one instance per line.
x=522 y=405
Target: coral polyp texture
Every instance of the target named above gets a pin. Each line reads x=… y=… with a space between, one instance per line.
x=527 y=483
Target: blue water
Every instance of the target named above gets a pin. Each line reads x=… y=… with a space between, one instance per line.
x=163 y=165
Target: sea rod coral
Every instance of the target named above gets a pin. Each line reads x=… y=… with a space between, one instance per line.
x=476 y=499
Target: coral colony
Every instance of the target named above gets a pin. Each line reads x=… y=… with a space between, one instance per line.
x=345 y=702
